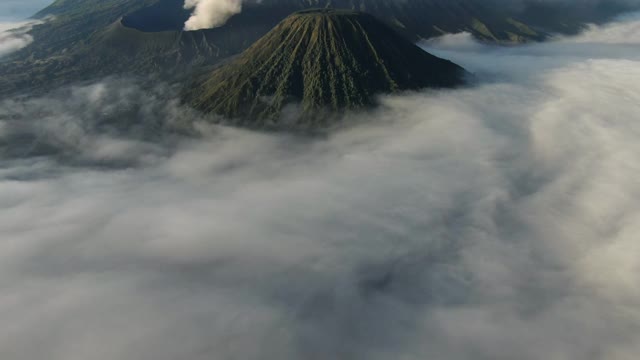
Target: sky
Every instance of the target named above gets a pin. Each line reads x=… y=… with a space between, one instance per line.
x=17 y=10
x=497 y=221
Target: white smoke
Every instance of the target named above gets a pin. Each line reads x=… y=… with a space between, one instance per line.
x=210 y=13
x=493 y=222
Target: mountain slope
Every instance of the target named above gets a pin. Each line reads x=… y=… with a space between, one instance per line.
x=89 y=39
x=325 y=60
x=73 y=21
x=413 y=18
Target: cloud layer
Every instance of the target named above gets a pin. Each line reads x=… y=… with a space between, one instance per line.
x=208 y=14
x=14 y=35
x=16 y=10
x=493 y=222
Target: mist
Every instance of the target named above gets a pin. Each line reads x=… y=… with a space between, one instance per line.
x=497 y=221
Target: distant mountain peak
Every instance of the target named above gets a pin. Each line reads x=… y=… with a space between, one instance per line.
x=320 y=60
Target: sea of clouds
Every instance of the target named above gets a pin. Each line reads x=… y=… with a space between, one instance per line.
x=498 y=221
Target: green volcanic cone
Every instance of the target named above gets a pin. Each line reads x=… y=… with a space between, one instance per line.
x=323 y=61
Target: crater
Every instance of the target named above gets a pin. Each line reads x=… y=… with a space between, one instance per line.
x=165 y=15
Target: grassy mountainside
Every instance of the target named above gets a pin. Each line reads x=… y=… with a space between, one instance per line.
x=413 y=18
x=324 y=60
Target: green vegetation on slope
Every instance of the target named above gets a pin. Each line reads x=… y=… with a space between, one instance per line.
x=73 y=21
x=323 y=60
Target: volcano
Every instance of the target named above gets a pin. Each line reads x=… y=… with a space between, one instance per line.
x=318 y=62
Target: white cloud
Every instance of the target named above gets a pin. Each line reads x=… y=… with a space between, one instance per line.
x=492 y=222
x=14 y=36
x=623 y=32
x=457 y=42
x=208 y=14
